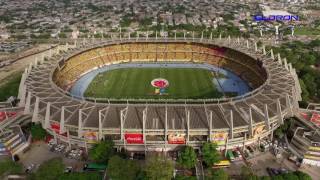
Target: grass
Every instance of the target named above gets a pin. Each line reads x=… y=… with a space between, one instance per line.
x=7 y=166
x=189 y=83
x=306 y=31
x=10 y=86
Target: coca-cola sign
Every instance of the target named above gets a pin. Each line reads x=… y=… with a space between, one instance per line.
x=134 y=138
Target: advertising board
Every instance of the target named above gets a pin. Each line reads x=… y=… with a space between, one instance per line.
x=219 y=138
x=134 y=138
x=176 y=138
x=91 y=136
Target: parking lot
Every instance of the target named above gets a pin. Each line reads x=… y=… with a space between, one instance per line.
x=73 y=153
x=39 y=152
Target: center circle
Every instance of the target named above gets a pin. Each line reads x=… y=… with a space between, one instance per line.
x=160 y=83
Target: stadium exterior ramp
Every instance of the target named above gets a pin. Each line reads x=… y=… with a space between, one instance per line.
x=146 y=125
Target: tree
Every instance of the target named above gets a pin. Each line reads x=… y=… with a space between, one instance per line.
x=218 y=174
x=302 y=175
x=7 y=166
x=265 y=178
x=37 y=132
x=102 y=151
x=290 y=176
x=187 y=157
x=159 y=168
x=81 y=176
x=180 y=177
x=210 y=154
x=122 y=169
x=49 y=170
x=247 y=173
x=277 y=178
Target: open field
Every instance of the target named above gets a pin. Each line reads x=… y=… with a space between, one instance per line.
x=136 y=83
x=10 y=86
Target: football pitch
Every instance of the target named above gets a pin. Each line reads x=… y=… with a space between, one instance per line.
x=188 y=83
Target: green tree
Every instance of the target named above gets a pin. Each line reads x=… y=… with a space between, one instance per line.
x=81 y=176
x=265 y=178
x=159 y=168
x=37 y=132
x=187 y=157
x=102 y=151
x=7 y=166
x=210 y=154
x=248 y=174
x=180 y=177
x=122 y=169
x=277 y=178
x=302 y=175
x=49 y=170
x=290 y=176
x=218 y=174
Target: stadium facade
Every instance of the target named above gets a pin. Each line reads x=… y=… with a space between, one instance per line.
x=161 y=125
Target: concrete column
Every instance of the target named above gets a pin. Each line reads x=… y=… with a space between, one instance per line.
x=279 y=112
x=166 y=126
x=201 y=36
x=80 y=124
x=247 y=42
x=47 y=117
x=210 y=127
x=144 y=118
x=266 y=117
x=27 y=106
x=290 y=67
x=250 y=123
x=122 y=117
x=285 y=63
x=229 y=39
x=220 y=36
x=100 y=125
x=62 y=127
x=289 y=105
x=22 y=96
x=188 y=126
x=35 y=117
x=231 y=124
x=68 y=138
x=279 y=59
x=271 y=54
x=211 y=35
x=255 y=46
x=264 y=50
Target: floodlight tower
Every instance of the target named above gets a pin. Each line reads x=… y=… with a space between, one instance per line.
x=292 y=30
x=277 y=31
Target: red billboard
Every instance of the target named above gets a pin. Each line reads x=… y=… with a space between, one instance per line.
x=134 y=138
x=176 y=138
x=55 y=127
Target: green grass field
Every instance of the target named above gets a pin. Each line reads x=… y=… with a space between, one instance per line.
x=10 y=86
x=136 y=83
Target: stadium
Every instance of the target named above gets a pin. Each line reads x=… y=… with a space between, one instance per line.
x=156 y=94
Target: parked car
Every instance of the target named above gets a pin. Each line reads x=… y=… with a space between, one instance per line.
x=68 y=169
